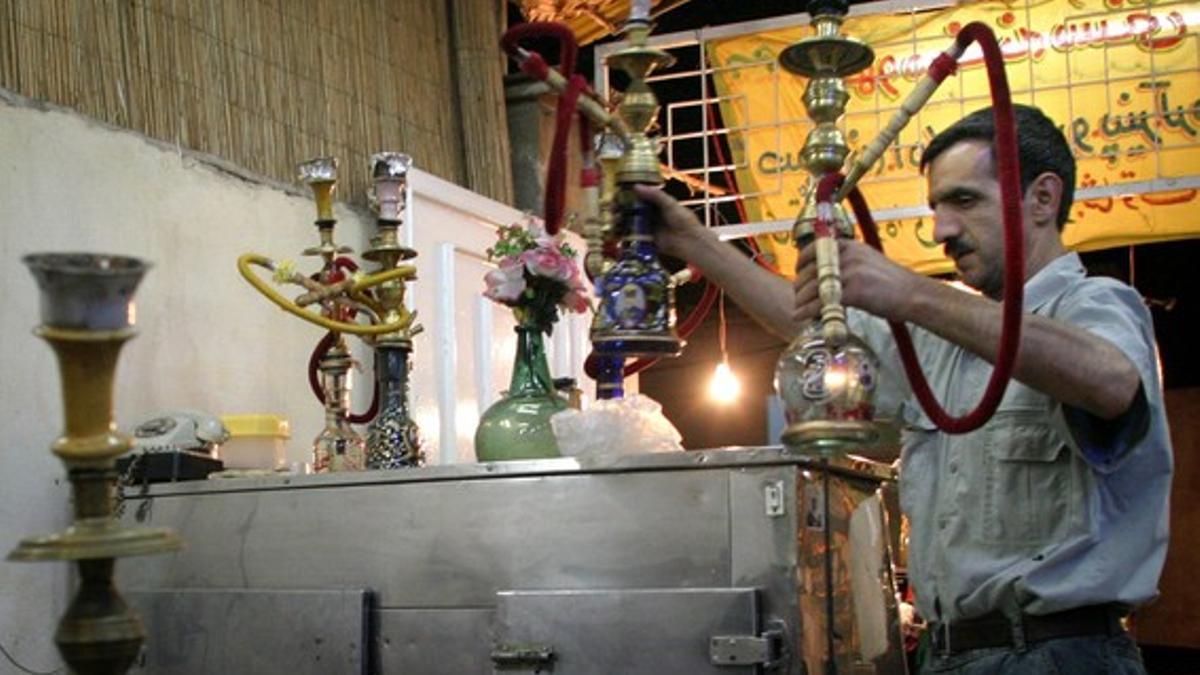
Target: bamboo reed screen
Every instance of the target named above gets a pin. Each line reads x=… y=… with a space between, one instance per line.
x=267 y=83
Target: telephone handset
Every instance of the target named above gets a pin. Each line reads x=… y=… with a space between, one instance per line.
x=181 y=430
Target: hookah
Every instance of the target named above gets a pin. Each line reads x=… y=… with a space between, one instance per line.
x=87 y=315
x=338 y=447
x=636 y=313
x=827 y=376
x=393 y=440
x=343 y=293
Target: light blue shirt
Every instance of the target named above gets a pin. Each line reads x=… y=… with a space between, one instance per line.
x=1045 y=508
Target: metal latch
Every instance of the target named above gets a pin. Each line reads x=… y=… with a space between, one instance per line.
x=773 y=499
x=524 y=657
x=767 y=650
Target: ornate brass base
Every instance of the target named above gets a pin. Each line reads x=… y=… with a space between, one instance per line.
x=95 y=539
x=830 y=436
x=99 y=633
x=636 y=344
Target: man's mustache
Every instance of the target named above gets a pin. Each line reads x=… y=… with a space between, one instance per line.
x=957 y=247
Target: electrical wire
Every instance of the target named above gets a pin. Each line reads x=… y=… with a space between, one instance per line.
x=16 y=664
x=721 y=327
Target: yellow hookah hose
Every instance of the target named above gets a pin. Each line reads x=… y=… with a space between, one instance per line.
x=248 y=259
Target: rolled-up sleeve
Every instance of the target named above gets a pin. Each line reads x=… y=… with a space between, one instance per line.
x=1116 y=313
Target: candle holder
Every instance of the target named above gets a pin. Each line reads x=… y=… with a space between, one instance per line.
x=87 y=315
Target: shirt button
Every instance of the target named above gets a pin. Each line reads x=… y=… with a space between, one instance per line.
x=953 y=467
x=942 y=523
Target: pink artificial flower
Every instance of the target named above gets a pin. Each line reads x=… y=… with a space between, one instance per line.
x=537 y=229
x=548 y=262
x=506 y=283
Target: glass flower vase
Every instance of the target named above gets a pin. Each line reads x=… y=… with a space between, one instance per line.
x=518 y=425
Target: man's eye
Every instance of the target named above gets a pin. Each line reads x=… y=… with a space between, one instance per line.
x=964 y=201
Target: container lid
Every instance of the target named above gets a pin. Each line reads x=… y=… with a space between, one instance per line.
x=275 y=426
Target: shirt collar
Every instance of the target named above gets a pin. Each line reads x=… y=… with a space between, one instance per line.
x=1050 y=280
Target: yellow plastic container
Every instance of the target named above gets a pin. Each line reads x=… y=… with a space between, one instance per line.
x=255 y=441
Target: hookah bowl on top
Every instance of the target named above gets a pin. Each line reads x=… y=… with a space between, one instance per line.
x=87 y=315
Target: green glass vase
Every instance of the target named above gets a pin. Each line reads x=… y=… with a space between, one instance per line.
x=518 y=425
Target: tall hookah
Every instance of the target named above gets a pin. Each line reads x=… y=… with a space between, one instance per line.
x=827 y=376
x=393 y=440
x=338 y=447
x=636 y=313
x=343 y=294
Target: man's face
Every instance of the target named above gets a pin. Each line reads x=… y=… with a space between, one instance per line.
x=965 y=198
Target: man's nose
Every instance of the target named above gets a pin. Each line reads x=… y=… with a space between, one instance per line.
x=945 y=226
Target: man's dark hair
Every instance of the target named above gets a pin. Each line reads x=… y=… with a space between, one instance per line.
x=1041 y=148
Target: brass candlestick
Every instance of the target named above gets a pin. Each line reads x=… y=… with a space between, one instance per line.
x=87 y=315
x=827 y=376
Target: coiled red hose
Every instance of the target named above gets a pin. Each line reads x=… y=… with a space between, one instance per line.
x=1009 y=173
x=341 y=264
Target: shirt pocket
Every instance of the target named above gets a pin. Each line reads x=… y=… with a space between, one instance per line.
x=1029 y=482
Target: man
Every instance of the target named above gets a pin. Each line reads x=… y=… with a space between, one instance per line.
x=1031 y=537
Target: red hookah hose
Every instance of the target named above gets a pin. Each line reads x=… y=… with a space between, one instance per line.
x=555 y=197
x=340 y=264
x=1009 y=173
x=554 y=201
x=568 y=48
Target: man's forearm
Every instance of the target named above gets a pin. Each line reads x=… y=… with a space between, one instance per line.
x=766 y=297
x=1067 y=363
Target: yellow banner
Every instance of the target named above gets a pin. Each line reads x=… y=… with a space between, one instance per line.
x=1122 y=77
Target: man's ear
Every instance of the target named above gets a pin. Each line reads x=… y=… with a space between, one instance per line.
x=1043 y=197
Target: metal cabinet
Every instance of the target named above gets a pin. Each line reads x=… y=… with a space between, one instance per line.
x=722 y=561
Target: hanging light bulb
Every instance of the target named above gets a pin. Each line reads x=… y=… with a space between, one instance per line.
x=724 y=386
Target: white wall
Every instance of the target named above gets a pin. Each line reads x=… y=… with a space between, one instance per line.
x=207 y=340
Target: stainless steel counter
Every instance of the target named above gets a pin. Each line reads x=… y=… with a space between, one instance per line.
x=698 y=562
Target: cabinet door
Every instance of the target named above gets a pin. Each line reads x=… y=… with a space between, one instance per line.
x=634 y=632
x=298 y=632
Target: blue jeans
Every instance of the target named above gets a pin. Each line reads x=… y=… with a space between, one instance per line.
x=1087 y=655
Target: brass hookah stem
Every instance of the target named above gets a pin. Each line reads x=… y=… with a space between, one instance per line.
x=826 y=58
x=320 y=174
x=912 y=104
